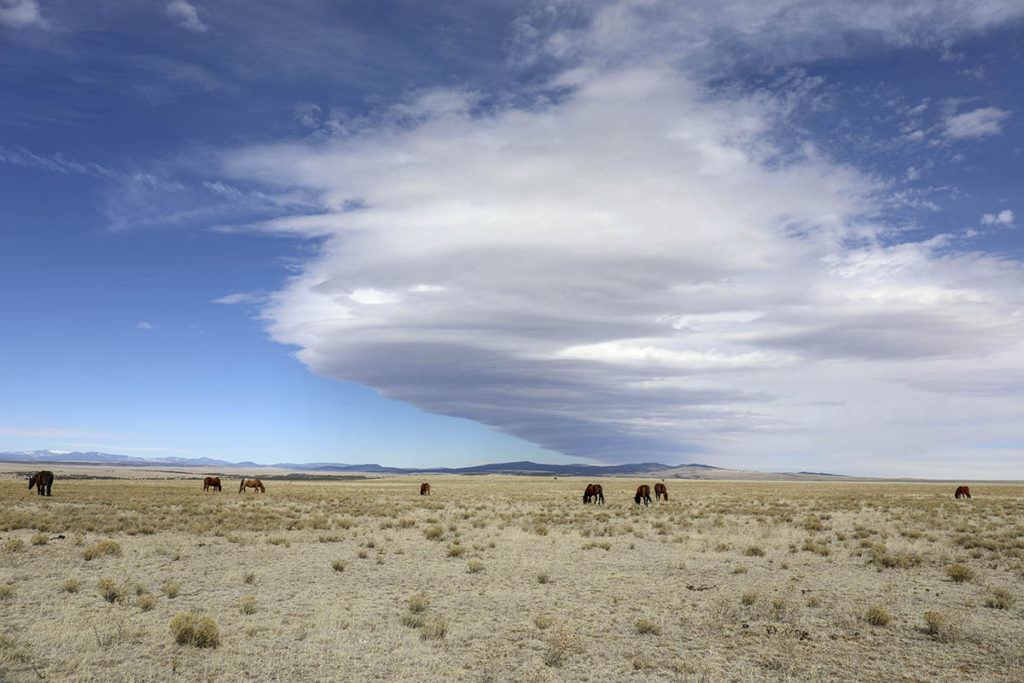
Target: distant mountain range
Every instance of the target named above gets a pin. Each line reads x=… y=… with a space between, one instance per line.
x=523 y=467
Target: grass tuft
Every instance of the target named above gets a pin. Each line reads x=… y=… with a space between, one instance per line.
x=188 y=629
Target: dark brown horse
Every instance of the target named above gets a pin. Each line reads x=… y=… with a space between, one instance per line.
x=424 y=489
x=252 y=484
x=212 y=483
x=41 y=481
x=593 y=494
x=962 y=492
x=659 y=491
x=643 y=493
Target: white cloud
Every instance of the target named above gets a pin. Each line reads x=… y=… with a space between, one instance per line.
x=241 y=298
x=712 y=34
x=625 y=275
x=21 y=14
x=143 y=325
x=1004 y=217
x=185 y=15
x=975 y=124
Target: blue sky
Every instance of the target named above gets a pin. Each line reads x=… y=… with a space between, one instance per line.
x=768 y=235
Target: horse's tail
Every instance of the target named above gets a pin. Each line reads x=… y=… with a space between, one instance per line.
x=241 y=486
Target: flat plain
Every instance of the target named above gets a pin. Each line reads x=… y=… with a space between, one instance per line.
x=509 y=578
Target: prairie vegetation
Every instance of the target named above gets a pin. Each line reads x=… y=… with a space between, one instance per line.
x=510 y=578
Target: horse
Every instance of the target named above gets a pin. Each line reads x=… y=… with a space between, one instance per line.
x=40 y=481
x=659 y=491
x=251 y=484
x=212 y=483
x=424 y=489
x=594 y=493
x=643 y=493
x=962 y=492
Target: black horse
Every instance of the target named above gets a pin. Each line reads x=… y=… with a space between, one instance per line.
x=594 y=493
x=41 y=481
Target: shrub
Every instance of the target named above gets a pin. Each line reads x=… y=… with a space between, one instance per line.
x=418 y=603
x=942 y=629
x=433 y=533
x=413 y=620
x=934 y=623
x=475 y=567
x=434 y=628
x=646 y=627
x=559 y=647
x=739 y=570
x=71 y=585
x=338 y=565
x=960 y=573
x=109 y=590
x=6 y=591
x=754 y=551
x=814 y=601
x=248 y=604
x=249 y=578
x=40 y=539
x=542 y=621
x=189 y=629
x=543 y=577
x=877 y=616
x=748 y=598
x=100 y=549
x=1001 y=598
x=455 y=550
x=813 y=524
x=14 y=545
x=171 y=589
x=146 y=602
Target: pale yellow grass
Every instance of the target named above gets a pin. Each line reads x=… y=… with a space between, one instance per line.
x=628 y=592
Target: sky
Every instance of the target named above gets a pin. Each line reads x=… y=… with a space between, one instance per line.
x=768 y=234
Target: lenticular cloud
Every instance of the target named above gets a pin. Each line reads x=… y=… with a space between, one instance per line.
x=634 y=271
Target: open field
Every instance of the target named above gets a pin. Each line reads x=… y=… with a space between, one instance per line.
x=510 y=578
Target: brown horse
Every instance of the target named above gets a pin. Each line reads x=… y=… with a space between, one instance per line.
x=212 y=483
x=424 y=489
x=594 y=493
x=643 y=493
x=659 y=491
x=41 y=481
x=962 y=492
x=252 y=484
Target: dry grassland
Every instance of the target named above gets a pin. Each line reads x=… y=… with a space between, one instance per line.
x=505 y=578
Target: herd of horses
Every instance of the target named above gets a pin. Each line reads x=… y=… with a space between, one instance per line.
x=43 y=481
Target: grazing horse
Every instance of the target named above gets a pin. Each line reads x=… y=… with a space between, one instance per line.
x=962 y=492
x=40 y=481
x=252 y=484
x=659 y=491
x=594 y=493
x=212 y=483
x=643 y=493
x=424 y=489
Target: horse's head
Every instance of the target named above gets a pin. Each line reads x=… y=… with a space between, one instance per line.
x=32 y=481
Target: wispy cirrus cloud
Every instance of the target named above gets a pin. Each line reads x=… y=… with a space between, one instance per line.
x=21 y=14
x=56 y=163
x=975 y=124
x=185 y=15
